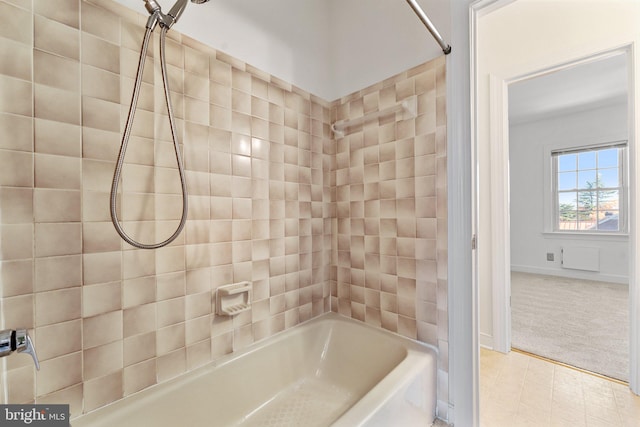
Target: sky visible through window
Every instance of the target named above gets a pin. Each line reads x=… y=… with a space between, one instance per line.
x=588 y=188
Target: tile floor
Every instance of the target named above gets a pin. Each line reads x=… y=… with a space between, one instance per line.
x=519 y=390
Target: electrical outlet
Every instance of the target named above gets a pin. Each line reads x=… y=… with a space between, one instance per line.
x=549 y=256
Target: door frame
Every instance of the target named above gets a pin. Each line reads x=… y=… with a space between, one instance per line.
x=499 y=200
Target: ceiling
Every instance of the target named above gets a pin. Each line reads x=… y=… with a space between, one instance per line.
x=330 y=48
x=582 y=87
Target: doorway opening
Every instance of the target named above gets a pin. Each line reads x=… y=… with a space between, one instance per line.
x=568 y=136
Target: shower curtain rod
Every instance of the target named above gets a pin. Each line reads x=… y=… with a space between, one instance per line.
x=427 y=23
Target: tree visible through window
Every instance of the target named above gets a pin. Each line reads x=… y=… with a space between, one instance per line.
x=589 y=189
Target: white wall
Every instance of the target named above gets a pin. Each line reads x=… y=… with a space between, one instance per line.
x=527 y=159
x=518 y=39
x=330 y=48
x=374 y=39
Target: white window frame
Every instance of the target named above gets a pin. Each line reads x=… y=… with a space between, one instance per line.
x=551 y=223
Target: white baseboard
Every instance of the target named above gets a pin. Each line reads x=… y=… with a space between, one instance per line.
x=572 y=274
x=486 y=341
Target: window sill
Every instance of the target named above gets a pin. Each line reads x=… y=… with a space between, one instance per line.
x=584 y=235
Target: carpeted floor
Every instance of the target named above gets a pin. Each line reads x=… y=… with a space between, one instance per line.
x=578 y=322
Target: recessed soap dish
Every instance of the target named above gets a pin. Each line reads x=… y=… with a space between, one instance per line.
x=233 y=299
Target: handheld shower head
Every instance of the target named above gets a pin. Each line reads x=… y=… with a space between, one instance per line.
x=171 y=17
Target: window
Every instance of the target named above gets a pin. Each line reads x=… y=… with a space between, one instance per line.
x=589 y=188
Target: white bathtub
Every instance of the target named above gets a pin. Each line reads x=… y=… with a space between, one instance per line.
x=329 y=371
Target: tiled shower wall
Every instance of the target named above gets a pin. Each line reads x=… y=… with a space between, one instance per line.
x=109 y=320
x=389 y=191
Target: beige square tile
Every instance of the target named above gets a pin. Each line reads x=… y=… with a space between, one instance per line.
x=19 y=27
x=200 y=280
x=100 y=84
x=51 y=205
x=175 y=75
x=17 y=169
x=425 y=144
x=100 y=22
x=175 y=53
x=171 y=311
x=20 y=385
x=199 y=329
x=102 y=267
x=170 y=338
x=59 y=339
x=196 y=62
x=198 y=256
x=198 y=354
x=197 y=87
x=57 y=38
x=220 y=118
x=57 y=138
x=22 y=237
x=170 y=285
x=102 y=391
x=16 y=133
x=139 y=291
x=100 y=53
x=59 y=373
x=196 y=110
x=105 y=115
x=56 y=104
x=138 y=348
x=102 y=329
x=58 y=272
x=129 y=59
x=103 y=298
x=139 y=376
x=58 y=239
x=220 y=72
x=138 y=263
x=56 y=71
x=64 y=11
x=171 y=365
x=407 y=327
x=17 y=278
x=57 y=306
x=139 y=320
x=59 y=172
x=15 y=96
x=19 y=310
x=17 y=205
x=102 y=360
x=17 y=59
x=100 y=237
x=71 y=396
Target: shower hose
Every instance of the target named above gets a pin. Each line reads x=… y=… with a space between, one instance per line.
x=125 y=141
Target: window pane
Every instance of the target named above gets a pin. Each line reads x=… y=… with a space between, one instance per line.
x=608 y=178
x=567 y=181
x=587 y=160
x=587 y=179
x=608 y=221
x=568 y=225
x=608 y=158
x=587 y=201
x=567 y=162
x=567 y=211
x=587 y=220
x=568 y=198
x=608 y=200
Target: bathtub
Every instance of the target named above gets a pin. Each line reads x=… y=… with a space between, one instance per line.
x=328 y=371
